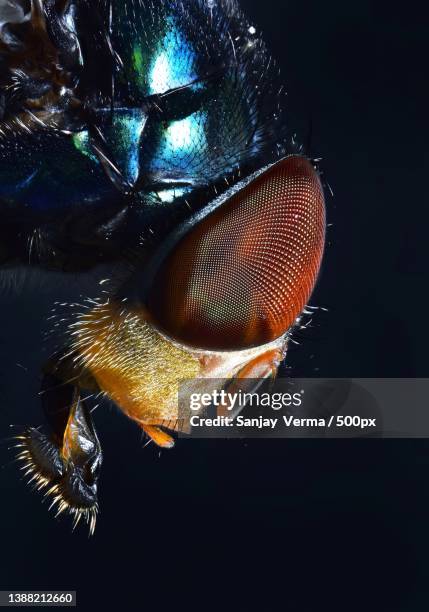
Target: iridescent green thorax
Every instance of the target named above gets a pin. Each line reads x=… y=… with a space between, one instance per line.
x=175 y=102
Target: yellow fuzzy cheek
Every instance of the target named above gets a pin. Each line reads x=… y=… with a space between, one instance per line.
x=135 y=366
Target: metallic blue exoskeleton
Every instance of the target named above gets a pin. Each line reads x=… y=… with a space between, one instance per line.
x=115 y=116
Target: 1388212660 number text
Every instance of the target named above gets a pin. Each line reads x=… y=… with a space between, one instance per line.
x=38 y=598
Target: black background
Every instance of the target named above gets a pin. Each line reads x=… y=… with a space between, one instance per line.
x=303 y=525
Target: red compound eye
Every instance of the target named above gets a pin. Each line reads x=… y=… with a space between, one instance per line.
x=241 y=276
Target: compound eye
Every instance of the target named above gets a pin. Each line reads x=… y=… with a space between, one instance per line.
x=243 y=274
